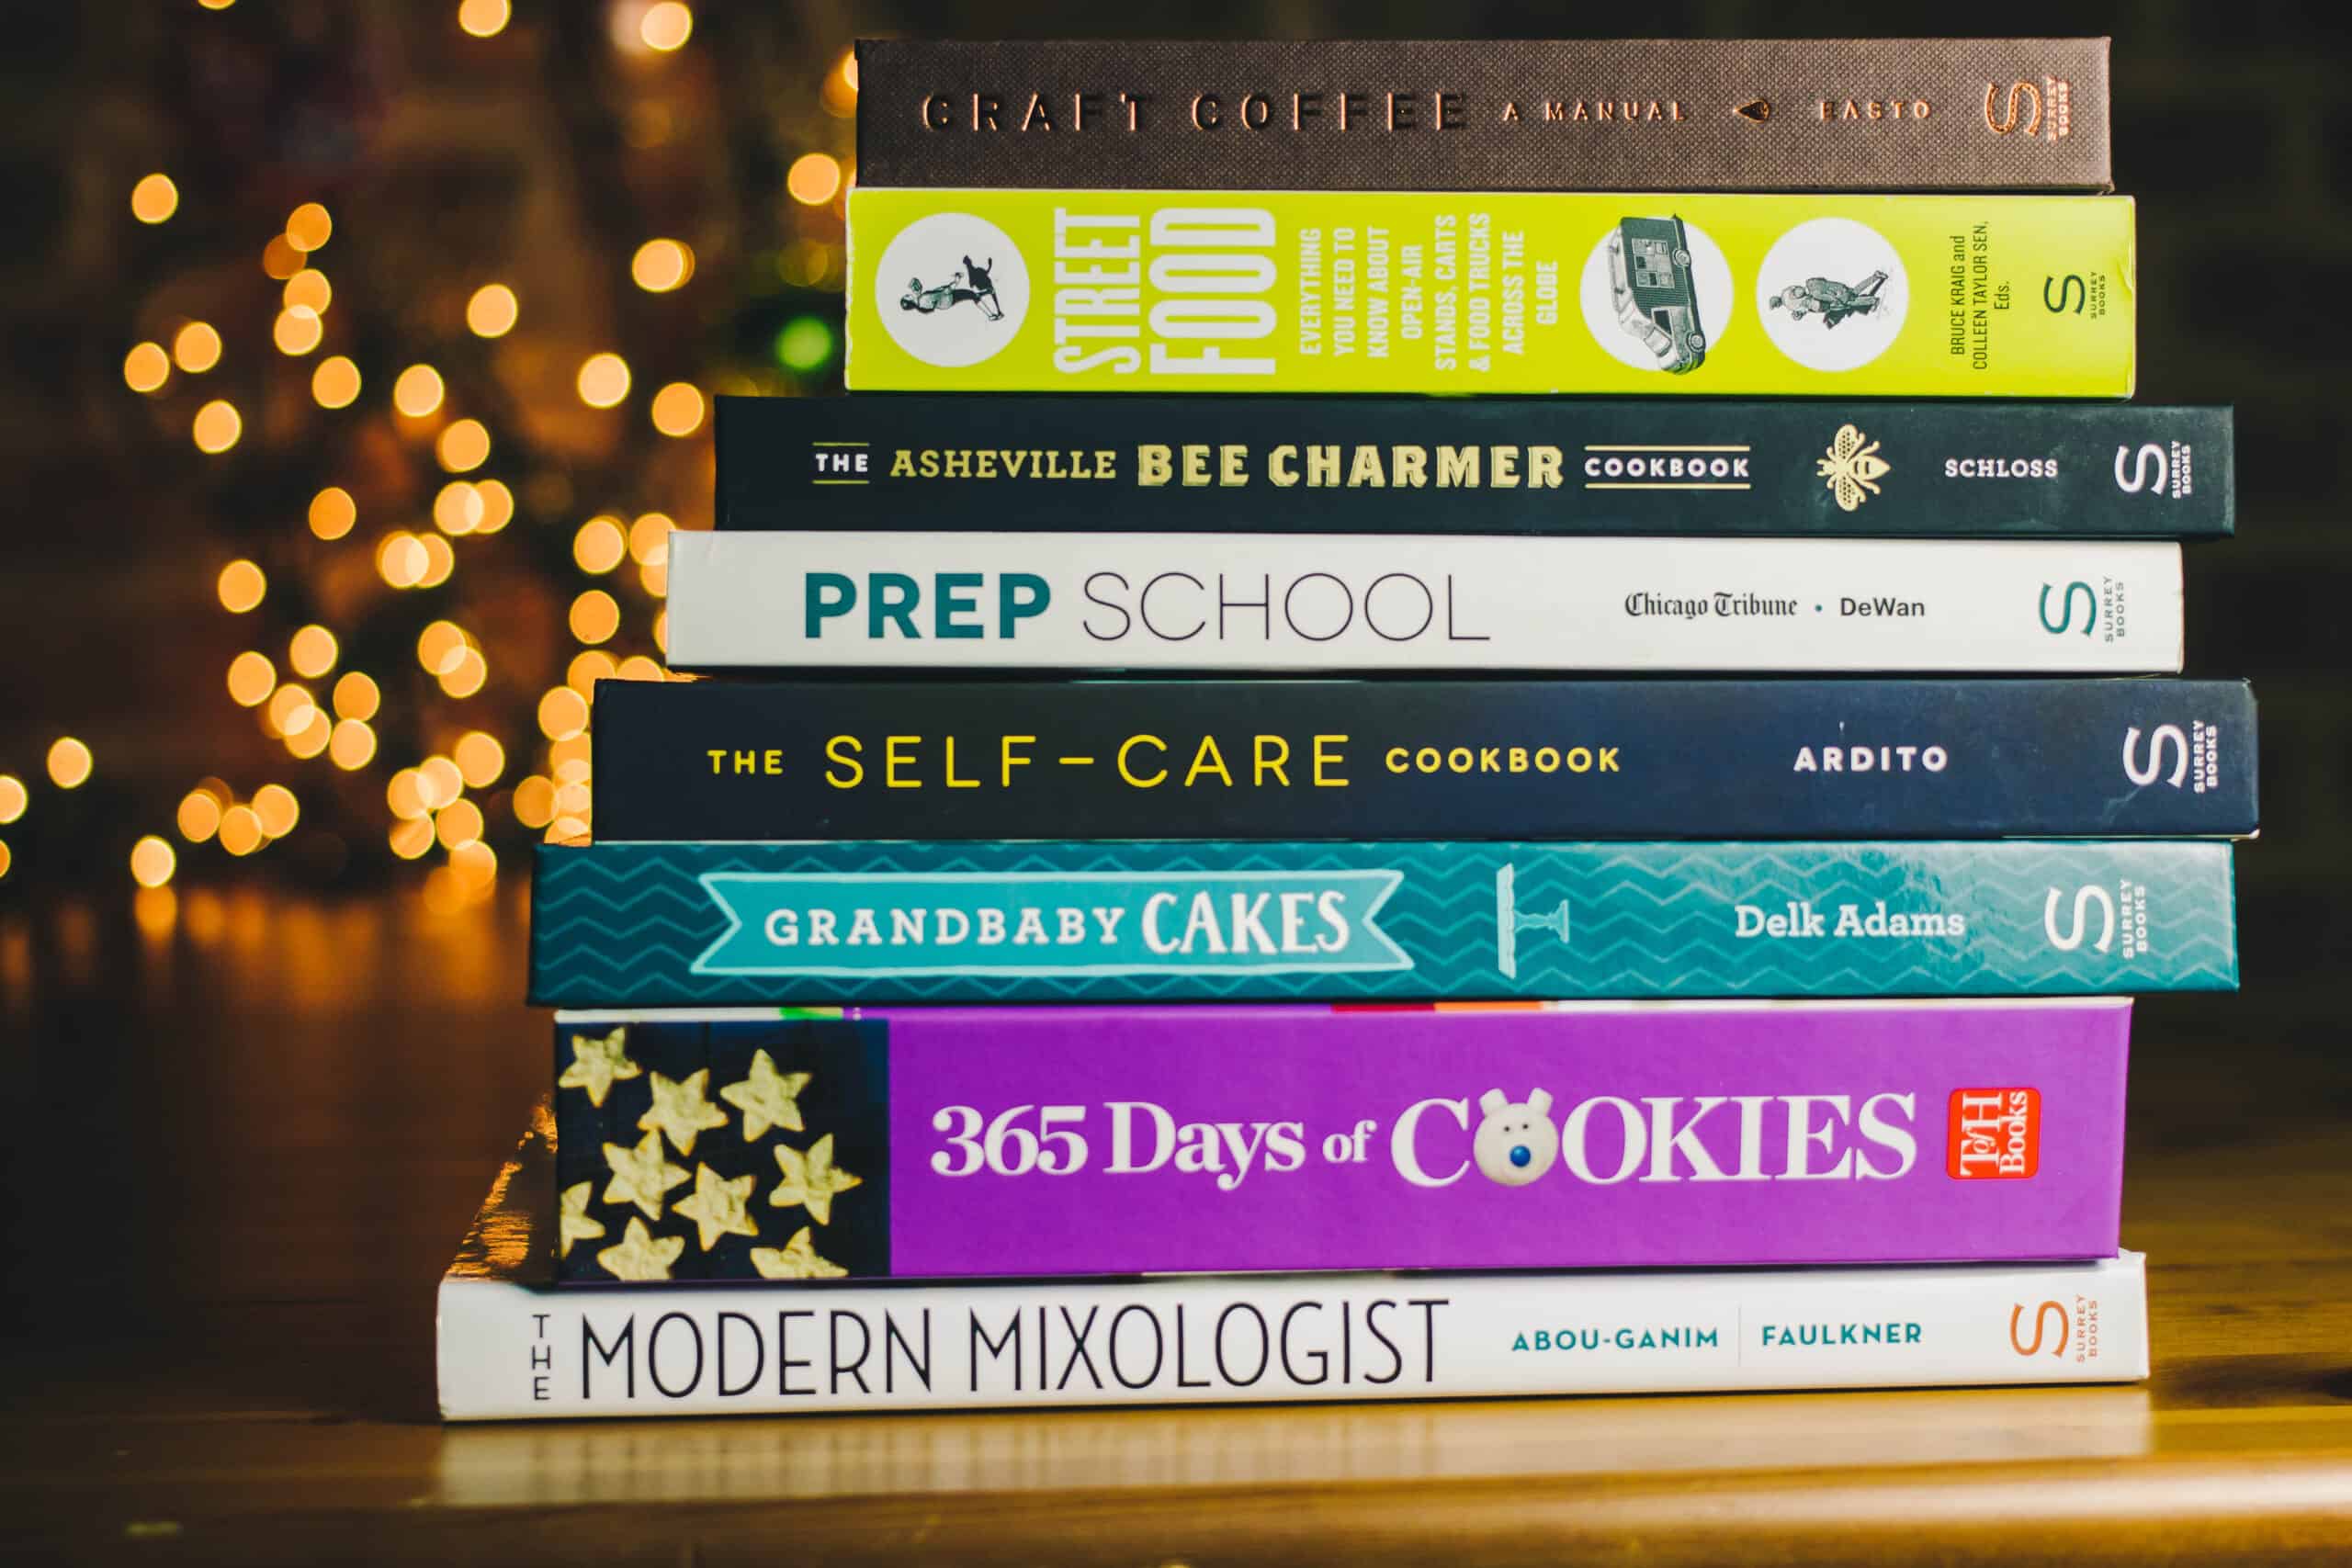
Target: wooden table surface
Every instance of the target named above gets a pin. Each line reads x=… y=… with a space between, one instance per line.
x=245 y=1131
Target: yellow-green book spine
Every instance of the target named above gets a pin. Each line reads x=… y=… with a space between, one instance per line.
x=1400 y=291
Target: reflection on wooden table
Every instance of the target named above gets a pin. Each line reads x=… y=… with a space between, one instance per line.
x=247 y=1130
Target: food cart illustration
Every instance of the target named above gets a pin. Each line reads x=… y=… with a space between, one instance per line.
x=1654 y=292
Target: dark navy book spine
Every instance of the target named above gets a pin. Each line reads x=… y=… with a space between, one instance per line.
x=1400 y=759
x=1476 y=466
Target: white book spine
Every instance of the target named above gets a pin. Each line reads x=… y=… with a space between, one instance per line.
x=508 y=1351
x=1352 y=602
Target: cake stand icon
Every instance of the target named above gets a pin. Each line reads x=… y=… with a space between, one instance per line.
x=1509 y=920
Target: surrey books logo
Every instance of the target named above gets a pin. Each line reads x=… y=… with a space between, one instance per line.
x=1850 y=468
x=965 y=294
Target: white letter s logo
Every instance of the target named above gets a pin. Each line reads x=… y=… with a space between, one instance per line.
x=2166 y=733
x=2149 y=452
x=2084 y=897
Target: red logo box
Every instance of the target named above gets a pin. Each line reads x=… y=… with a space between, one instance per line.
x=1995 y=1134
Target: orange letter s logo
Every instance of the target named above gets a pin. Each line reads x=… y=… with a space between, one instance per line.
x=2065 y=1328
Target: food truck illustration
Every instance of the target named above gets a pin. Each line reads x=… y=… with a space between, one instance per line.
x=1654 y=291
x=1831 y=300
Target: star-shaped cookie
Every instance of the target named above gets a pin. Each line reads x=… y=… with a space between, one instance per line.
x=574 y=1221
x=716 y=1205
x=641 y=1255
x=796 y=1259
x=680 y=1109
x=811 y=1179
x=596 y=1063
x=641 y=1176
x=768 y=1099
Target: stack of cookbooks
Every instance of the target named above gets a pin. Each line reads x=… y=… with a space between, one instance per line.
x=1313 y=1009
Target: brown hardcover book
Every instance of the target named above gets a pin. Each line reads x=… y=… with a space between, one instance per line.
x=1781 y=115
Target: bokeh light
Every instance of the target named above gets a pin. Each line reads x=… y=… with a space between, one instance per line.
x=603 y=380
x=457 y=510
x=252 y=678
x=332 y=512
x=217 y=426
x=497 y=506
x=661 y=265
x=460 y=822
x=357 y=697
x=70 y=761
x=155 y=199
x=195 y=347
x=307 y=227
x=439 y=560
x=417 y=393
x=411 y=838
x=493 y=311
x=152 y=861
x=562 y=711
x=534 y=802
x=439 y=781
x=479 y=759
x=463 y=447
x=198 y=817
x=241 y=831
x=310 y=289
x=595 y=616
x=814 y=180
x=467 y=676
x=677 y=408
x=146 y=367
x=649 y=539
x=484 y=18
x=313 y=652
x=335 y=383
x=279 y=811
x=14 y=797
x=666 y=26
x=401 y=559
x=439 y=646
x=599 y=546
x=351 y=744
x=242 y=586
x=297 y=331
x=805 y=344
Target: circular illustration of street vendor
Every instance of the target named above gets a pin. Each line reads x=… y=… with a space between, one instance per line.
x=1831 y=294
x=1656 y=294
x=951 y=289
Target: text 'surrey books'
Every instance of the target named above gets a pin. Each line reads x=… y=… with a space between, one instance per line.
x=1285 y=758
x=1351 y=601
x=1625 y=466
x=510 y=1345
x=1634 y=294
x=718 y=924
x=1681 y=114
x=956 y=1141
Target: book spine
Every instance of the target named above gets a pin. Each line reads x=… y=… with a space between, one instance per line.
x=1333 y=603
x=685 y=925
x=1335 y=291
x=1476 y=466
x=1852 y=114
x=960 y=1143
x=1364 y=760
x=508 y=1351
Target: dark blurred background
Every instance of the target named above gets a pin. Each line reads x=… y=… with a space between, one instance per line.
x=317 y=623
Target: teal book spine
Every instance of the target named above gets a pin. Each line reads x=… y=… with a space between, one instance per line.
x=889 y=923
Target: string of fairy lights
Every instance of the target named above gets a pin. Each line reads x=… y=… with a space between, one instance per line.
x=303 y=687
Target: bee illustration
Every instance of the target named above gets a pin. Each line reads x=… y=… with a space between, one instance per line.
x=1851 y=470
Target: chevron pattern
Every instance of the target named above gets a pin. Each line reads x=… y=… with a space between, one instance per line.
x=620 y=925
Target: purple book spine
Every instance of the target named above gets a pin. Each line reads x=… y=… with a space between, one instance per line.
x=946 y=1142
x=1644 y=1137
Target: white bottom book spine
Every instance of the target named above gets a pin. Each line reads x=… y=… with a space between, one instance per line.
x=511 y=1347
x=1343 y=602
